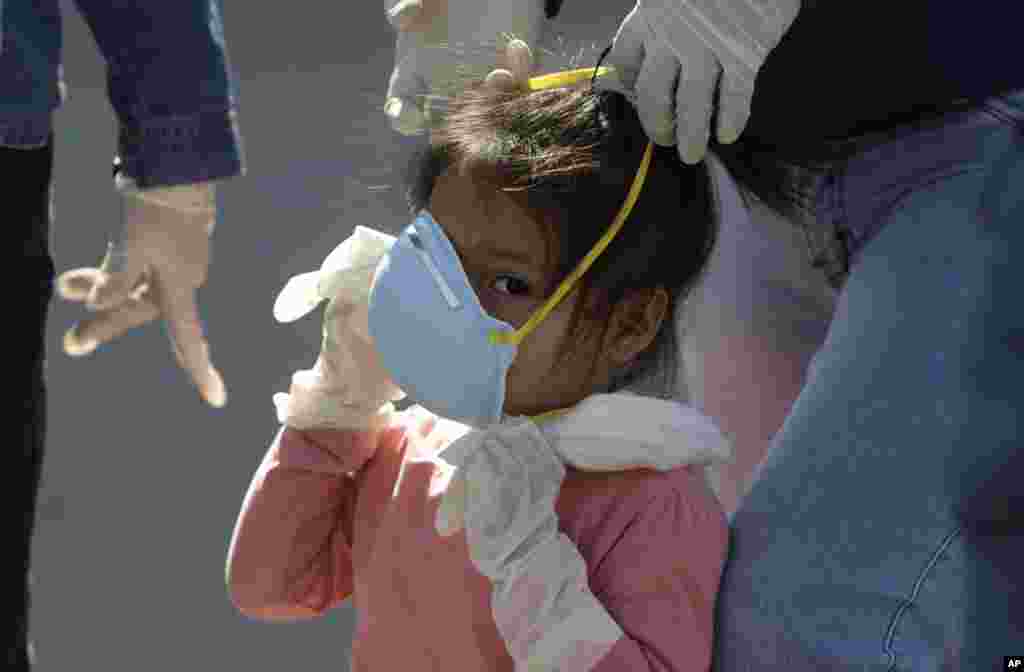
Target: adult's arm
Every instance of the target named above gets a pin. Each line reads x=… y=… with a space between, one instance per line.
x=170 y=84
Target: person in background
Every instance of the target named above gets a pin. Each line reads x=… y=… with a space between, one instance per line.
x=862 y=117
x=883 y=530
x=170 y=85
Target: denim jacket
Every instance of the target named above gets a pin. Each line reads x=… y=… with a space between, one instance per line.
x=168 y=81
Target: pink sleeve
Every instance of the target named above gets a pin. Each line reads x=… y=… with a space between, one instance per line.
x=290 y=554
x=659 y=583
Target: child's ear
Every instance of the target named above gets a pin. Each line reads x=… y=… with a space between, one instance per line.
x=635 y=323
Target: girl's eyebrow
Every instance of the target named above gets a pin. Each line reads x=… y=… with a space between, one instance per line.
x=497 y=253
x=510 y=255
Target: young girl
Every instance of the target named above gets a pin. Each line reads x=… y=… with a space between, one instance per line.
x=518 y=186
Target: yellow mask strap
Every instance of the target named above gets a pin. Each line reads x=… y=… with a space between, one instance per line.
x=550 y=415
x=516 y=337
x=554 y=80
x=566 y=78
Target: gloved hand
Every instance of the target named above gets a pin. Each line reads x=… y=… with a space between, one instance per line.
x=509 y=477
x=161 y=260
x=677 y=54
x=347 y=388
x=503 y=495
x=691 y=439
x=443 y=44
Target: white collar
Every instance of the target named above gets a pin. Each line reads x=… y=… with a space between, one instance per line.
x=613 y=432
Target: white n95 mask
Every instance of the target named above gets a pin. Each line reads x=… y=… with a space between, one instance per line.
x=435 y=339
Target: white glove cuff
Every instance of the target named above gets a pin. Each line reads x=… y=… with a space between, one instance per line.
x=547 y=615
x=191 y=198
x=321 y=411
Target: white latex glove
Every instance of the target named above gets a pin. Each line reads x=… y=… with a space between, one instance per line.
x=443 y=44
x=588 y=439
x=678 y=54
x=503 y=495
x=347 y=388
x=154 y=272
x=510 y=477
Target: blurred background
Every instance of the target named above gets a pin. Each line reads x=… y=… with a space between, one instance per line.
x=142 y=482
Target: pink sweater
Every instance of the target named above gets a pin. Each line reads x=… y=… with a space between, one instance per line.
x=310 y=535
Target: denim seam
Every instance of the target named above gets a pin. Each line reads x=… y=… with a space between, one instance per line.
x=185 y=127
x=840 y=224
x=890 y=634
x=992 y=108
x=899 y=201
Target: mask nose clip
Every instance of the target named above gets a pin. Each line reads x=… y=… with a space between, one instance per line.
x=435 y=272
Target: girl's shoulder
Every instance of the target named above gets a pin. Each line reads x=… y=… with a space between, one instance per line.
x=639 y=487
x=612 y=500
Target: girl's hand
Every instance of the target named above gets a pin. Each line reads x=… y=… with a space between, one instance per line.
x=508 y=481
x=348 y=387
x=503 y=495
x=352 y=447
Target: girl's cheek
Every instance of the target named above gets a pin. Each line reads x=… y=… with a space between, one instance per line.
x=490 y=304
x=514 y=310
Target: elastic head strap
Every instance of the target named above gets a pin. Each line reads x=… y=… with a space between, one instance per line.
x=515 y=337
x=553 y=80
x=556 y=80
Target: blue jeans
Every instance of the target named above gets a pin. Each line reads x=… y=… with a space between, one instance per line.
x=885 y=529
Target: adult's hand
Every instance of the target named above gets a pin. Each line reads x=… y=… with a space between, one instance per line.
x=444 y=44
x=153 y=272
x=678 y=55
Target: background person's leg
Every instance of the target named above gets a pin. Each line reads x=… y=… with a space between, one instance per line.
x=879 y=533
x=26 y=175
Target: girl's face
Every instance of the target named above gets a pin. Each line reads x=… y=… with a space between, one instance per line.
x=503 y=252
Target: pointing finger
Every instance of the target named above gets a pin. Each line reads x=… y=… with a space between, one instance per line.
x=184 y=328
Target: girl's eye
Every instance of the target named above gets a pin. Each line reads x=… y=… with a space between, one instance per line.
x=510 y=284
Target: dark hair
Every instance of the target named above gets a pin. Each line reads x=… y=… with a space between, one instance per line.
x=769 y=172
x=569 y=156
